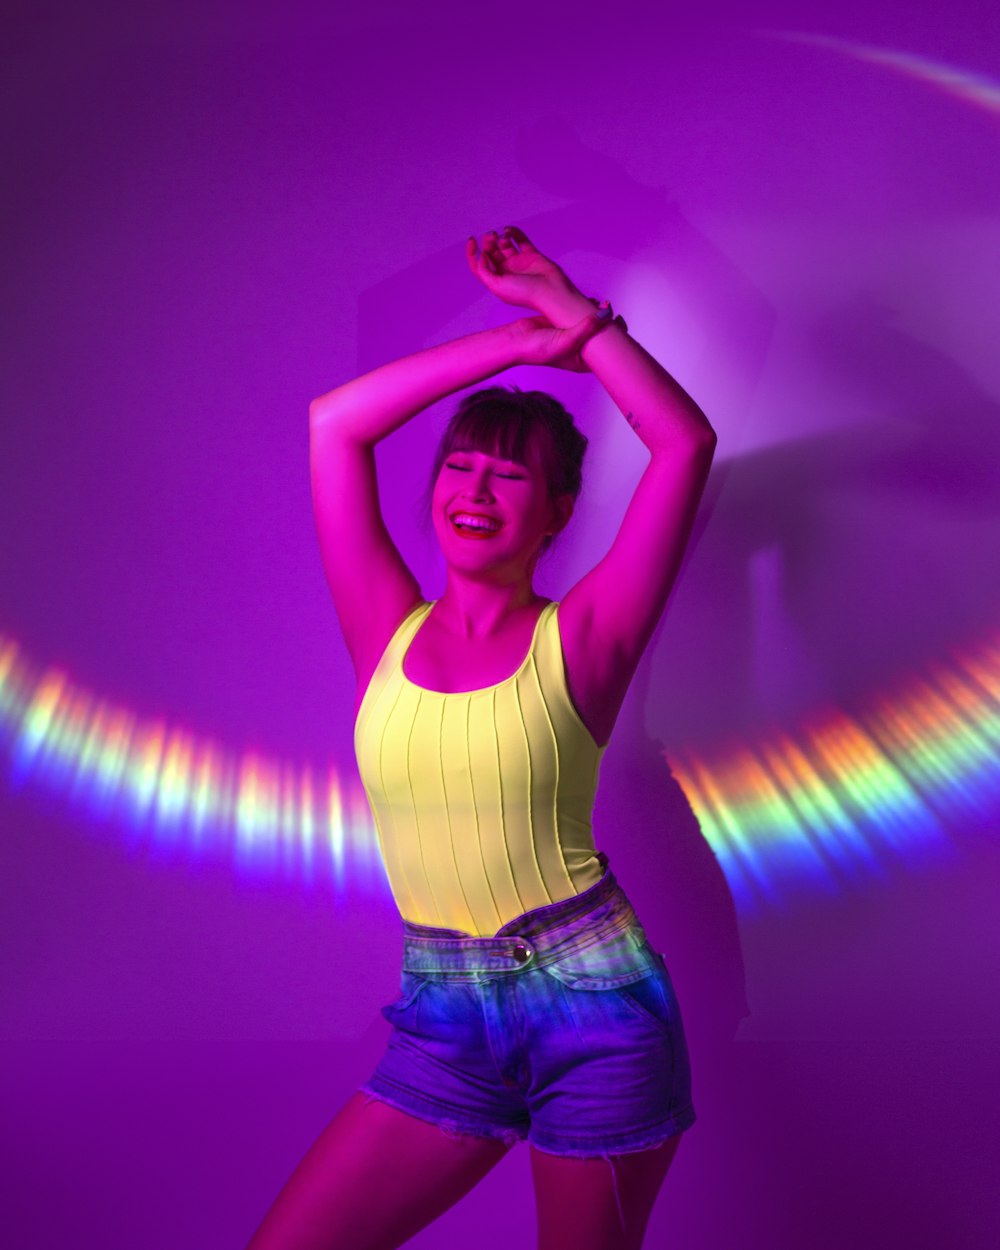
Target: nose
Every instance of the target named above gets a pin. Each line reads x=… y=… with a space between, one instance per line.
x=478 y=487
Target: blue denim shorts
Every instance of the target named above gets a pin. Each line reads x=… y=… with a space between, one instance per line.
x=563 y=1029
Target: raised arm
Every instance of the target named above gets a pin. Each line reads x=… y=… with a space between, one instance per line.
x=620 y=601
x=372 y=588
x=625 y=594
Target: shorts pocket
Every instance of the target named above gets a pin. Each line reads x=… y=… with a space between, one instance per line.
x=607 y=963
x=410 y=985
x=652 y=1000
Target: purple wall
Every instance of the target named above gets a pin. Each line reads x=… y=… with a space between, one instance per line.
x=212 y=218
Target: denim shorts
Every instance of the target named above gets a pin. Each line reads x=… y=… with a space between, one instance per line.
x=563 y=1029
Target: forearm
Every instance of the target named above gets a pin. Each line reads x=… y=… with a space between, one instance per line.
x=656 y=406
x=370 y=407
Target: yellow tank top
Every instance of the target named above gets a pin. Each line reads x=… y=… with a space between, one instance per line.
x=482 y=799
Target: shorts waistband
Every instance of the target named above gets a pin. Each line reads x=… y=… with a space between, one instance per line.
x=533 y=939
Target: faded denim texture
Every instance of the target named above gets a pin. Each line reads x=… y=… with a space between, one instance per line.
x=562 y=1029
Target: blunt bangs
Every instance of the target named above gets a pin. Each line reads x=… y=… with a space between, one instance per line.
x=495 y=429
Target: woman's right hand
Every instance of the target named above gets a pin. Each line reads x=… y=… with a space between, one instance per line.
x=538 y=342
x=514 y=270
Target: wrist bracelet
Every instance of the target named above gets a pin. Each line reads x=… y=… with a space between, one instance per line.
x=607 y=312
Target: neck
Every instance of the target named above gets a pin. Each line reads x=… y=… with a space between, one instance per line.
x=475 y=609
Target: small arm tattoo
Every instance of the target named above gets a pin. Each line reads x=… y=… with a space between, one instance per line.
x=632 y=421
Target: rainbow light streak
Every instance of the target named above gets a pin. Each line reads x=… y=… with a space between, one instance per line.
x=189 y=794
x=838 y=801
x=963 y=84
x=848 y=797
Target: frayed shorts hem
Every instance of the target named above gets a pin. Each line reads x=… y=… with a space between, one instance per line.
x=437 y=1114
x=621 y=1145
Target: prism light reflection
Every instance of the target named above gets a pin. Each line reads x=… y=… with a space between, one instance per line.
x=834 y=802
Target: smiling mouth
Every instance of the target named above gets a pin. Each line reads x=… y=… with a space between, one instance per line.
x=473 y=527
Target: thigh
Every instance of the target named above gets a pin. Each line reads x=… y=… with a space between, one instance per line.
x=372 y=1179
x=598 y=1203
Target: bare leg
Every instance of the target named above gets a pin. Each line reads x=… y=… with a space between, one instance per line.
x=372 y=1179
x=582 y=1204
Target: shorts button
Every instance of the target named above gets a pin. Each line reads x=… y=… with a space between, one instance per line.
x=521 y=953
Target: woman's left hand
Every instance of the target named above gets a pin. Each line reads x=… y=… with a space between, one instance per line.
x=510 y=266
x=538 y=342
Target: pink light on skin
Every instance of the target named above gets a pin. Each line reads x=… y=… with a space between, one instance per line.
x=472 y=484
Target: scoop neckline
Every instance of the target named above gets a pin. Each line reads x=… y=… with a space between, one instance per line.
x=478 y=689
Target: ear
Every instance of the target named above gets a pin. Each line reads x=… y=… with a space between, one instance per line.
x=562 y=510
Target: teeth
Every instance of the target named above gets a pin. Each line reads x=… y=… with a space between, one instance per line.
x=473 y=522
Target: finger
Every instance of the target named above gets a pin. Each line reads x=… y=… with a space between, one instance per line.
x=487 y=259
x=520 y=238
x=480 y=262
x=491 y=248
x=506 y=244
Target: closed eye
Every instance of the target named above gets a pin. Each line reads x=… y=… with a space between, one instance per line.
x=464 y=468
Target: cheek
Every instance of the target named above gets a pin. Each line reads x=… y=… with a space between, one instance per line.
x=438 y=496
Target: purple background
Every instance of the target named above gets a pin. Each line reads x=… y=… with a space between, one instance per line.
x=213 y=216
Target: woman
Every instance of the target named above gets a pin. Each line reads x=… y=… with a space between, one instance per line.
x=532 y=1006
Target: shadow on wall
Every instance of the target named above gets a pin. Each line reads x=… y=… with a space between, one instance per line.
x=836 y=562
x=646 y=825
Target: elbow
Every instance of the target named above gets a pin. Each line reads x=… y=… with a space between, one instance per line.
x=321 y=411
x=699 y=433
x=708 y=434
x=703 y=442
x=330 y=421
x=706 y=437
x=699 y=448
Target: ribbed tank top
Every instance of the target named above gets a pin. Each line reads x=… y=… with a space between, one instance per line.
x=482 y=799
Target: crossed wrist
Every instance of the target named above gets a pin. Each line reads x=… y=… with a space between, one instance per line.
x=566 y=308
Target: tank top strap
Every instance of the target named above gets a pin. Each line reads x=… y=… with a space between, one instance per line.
x=392 y=656
x=388 y=670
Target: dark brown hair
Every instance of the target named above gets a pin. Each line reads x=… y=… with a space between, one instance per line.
x=515 y=425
